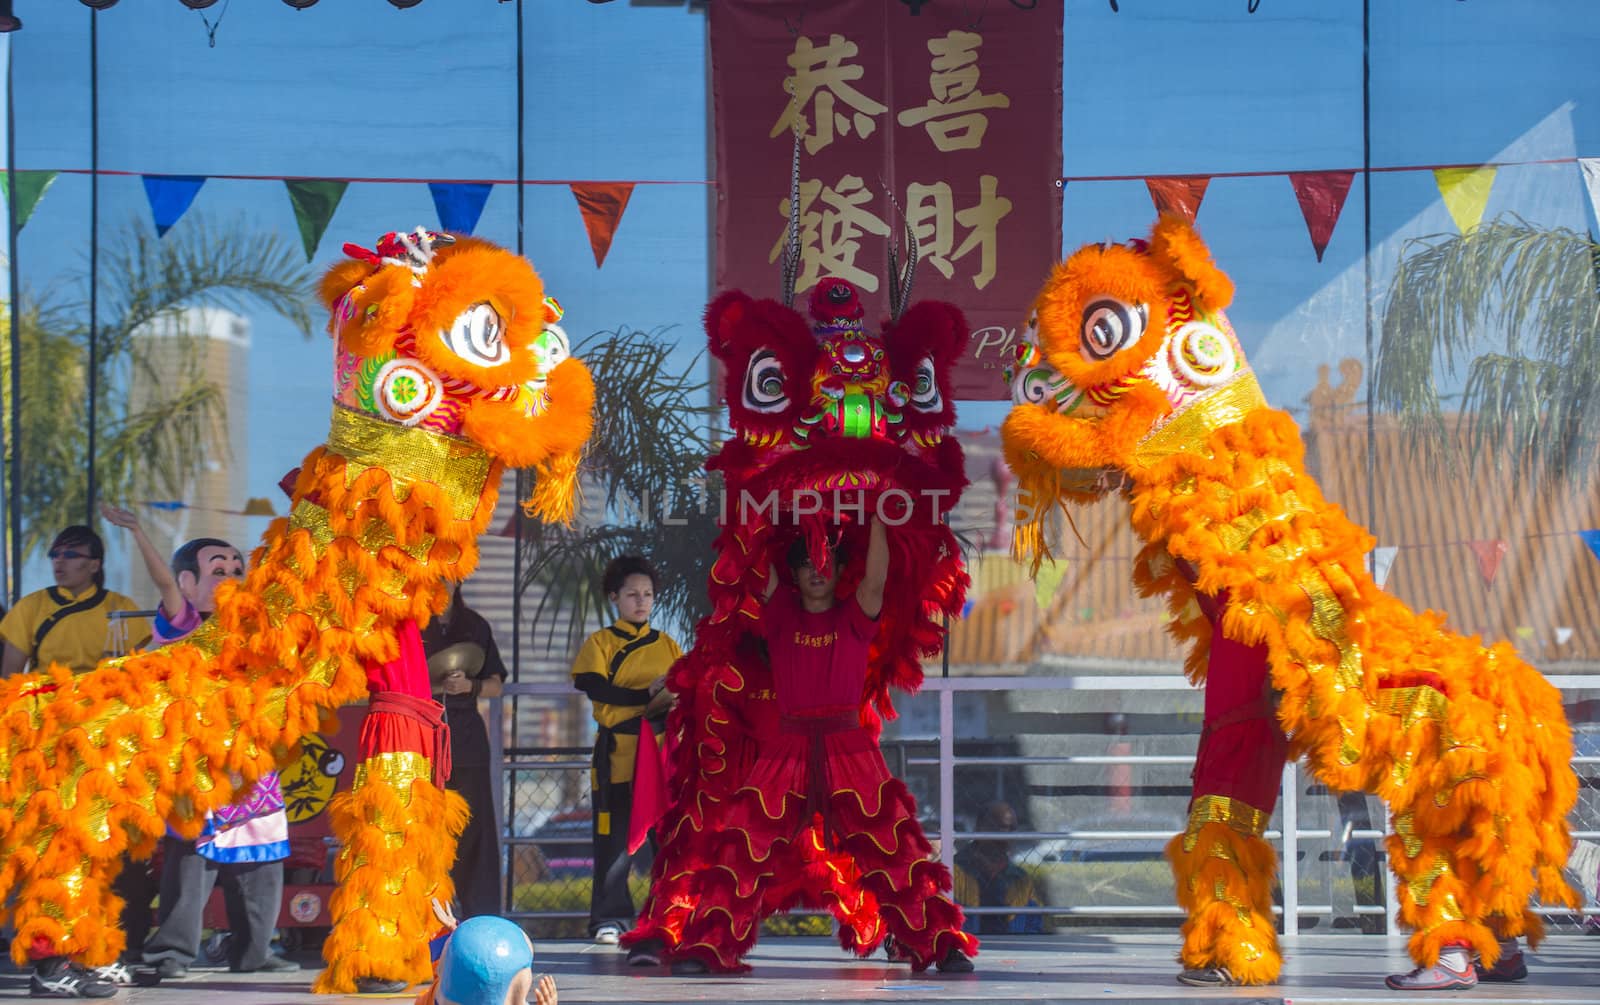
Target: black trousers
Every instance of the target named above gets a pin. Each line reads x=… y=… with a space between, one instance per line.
x=251 y=891
x=610 y=900
x=137 y=885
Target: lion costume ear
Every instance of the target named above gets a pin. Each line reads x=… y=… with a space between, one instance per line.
x=1175 y=242
x=367 y=309
x=724 y=317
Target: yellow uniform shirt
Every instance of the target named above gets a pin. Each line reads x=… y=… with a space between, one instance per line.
x=615 y=668
x=80 y=639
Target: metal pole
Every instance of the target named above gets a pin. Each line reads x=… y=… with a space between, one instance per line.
x=1366 y=263
x=94 y=255
x=14 y=441
x=1290 y=803
x=947 y=778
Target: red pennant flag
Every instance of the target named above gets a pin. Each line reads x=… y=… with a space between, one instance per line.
x=1179 y=195
x=602 y=203
x=1321 y=195
x=1489 y=555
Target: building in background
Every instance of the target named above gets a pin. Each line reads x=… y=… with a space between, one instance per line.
x=214 y=344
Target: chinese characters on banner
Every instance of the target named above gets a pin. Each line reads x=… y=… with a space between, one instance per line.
x=954 y=111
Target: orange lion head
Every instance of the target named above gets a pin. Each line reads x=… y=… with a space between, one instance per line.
x=1122 y=340
x=456 y=335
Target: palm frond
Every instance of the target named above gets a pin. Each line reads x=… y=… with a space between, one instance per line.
x=160 y=419
x=1513 y=309
x=642 y=473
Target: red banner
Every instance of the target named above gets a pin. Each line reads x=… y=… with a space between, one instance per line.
x=950 y=110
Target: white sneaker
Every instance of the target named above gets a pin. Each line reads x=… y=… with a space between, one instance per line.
x=607 y=935
x=117 y=973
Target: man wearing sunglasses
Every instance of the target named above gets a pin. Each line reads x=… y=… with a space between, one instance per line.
x=68 y=622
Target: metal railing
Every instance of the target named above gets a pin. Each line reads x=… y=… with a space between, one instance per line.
x=1292 y=832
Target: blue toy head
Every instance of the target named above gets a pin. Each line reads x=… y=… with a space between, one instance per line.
x=480 y=961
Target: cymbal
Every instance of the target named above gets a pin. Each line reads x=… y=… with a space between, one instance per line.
x=463 y=657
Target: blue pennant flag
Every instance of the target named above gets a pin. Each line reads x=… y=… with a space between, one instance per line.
x=1592 y=539
x=170 y=196
x=459 y=204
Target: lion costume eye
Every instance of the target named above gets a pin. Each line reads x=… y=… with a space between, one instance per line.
x=925 y=387
x=763 y=383
x=1109 y=326
x=476 y=336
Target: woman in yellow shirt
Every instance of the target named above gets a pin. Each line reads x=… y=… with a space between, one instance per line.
x=68 y=623
x=622 y=669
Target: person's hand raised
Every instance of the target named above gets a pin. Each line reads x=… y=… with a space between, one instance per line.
x=119 y=517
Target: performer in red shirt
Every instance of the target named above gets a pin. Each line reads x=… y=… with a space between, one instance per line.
x=824 y=763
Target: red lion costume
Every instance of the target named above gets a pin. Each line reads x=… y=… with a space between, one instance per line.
x=830 y=422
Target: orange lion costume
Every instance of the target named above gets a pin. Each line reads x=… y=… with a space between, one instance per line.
x=448 y=368
x=1132 y=374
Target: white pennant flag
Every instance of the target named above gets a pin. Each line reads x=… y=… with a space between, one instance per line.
x=1380 y=561
x=1591 y=183
x=1563 y=635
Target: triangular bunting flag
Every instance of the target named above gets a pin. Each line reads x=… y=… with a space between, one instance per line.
x=1563 y=636
x=1321 y=195
x=170 y=196
x=1524 y=632
x=602 y=203
x=1465 y=192
x=1489 y=555
x=1592 y=539
x=1590 y=166
x=459 y=204
x=1380 y=561
x=314 y=202
x=1046 y=582
x=30 y=188
x=1180 y=195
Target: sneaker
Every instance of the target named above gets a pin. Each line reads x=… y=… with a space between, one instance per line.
x=172 y=969
x=379 y=986
x=118 y=973
x=895 y=952
x=1509 y=967
x=607 y=935
x=1439 y=977
x=58 y=977
x=955 y=962
x=689 y=967
x=273 y=965
x=646 y=953
x=1210 y=977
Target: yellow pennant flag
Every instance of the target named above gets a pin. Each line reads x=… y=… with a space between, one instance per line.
x=1465 y=192
x=1046 y=582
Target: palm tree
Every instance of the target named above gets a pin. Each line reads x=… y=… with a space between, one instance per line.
x=647 y=495
x=1515 y=307
x=153 y=443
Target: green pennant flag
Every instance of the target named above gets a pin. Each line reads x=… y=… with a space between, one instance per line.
x=314 y=203
x=30 y=187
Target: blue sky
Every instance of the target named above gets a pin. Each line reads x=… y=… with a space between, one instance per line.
x=619 y=91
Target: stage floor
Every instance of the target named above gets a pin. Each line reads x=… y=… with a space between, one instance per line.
x=1054 y=969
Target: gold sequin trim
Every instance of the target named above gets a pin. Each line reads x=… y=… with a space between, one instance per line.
x=1405 y=826
x=1328 y=624
x=397 y=770
x=1240 y=816
x=410 y=456
x=1412 y=704
x=1224 y=406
